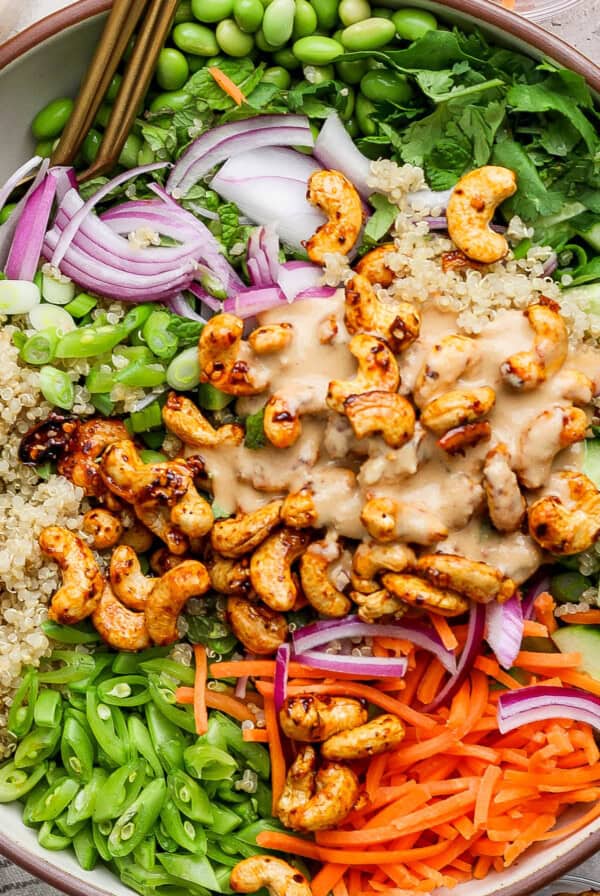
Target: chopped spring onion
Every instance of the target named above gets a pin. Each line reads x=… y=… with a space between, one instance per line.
x=183 y=373
x=57 y=291
x=152 y=457
x=141 y=375
x=212 y=399
x=162 y=341
x=81 y=305
x=87 y=342
x=101 y=378
x=18 y=296
x=149 y=417
x=56 y=387
x=44 y=315
x=40 y=347
x=103 y=404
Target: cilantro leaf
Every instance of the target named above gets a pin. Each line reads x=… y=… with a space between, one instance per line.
x=381 y=220
x=255 y=431
x=553 y=96
x=532 y=198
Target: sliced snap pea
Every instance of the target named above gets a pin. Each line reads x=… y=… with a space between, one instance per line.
x=209 y=763
x=40 y=347
x=224 y=820
x=85 y=848
x=48 y=709
x=22 y=708
x=39 y=744
x=189 y=797
x=248 y=14
x=69 y=830
x=100 y=379
x=317 y=50
x=101 y=842
x=75 y=667
x=15 y=782
x=164 y=699
x=149 y=417
x=137 y=317
x=168 y=739
x=194 y=869
x=232 y=40
x=142 y=742
x=77 y=750
x=120 y=790
x=55 y=800
x=411 y=24
x=83 y=805
x=108 y=727
x=145 y=853
x=227 y=734
x=182 y=830
x=129 y=663
x=125 y=690
x=138 y=819
x=50 y=121
x=50 y=840
x=169 y=668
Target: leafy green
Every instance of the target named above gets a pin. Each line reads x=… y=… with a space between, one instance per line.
x=255 y=431
x=242 y=72
x=187 y=331
x=381 y=220
x=533 y=197
x=554 y=95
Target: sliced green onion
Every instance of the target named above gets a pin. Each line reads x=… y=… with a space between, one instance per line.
x=149 y=417
x=101 y=378
x=18 y=338
x=137 y=317
x=103 y=404
x=154 y=440
x=522 y=248
x=138 y=374
x=87 y=342
x=18 y=296
x=56 y=387
x=183 y=373
x=136 y=353
x=57 y=292
x=44 y=315
x=212 y=399
x=157 y=335
x=40 y=348
x=152 y=457
x=81 y=305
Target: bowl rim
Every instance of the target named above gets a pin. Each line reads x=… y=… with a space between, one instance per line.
x=490 y=14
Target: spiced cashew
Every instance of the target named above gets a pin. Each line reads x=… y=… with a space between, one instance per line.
x=162 y=560
x=457 y=440
x=471 y=208
x=371 y=558
x=137 y=537
x=241 y=534
x=382 y=734
x=279 y=878
x=82 y=581
x=386 y=519
x=413 y=590
x=472 y=578
x=444 y=365
x=387 y=413
x=316 y=800
x=332 y=192
x=547 y=434
x=457 y=407
x=227 y=361
x=192 y=515
x=310 y=718
x=127 y=476
x=157 y=519
x=80 y=462
x=168 y=597
x=271 y=568
x=527 y=370
x=260 y=629
x=377 y=370
x=506 y=505
x=183 y=418
x=281 y=422
x=299 y=509
x=568 y=522
x=121 y=628
x=104 y=527
x=377 y=605
x=270 y=338
x=229 y=576
x=318 y=588
x=575 y=386
x=127 y=580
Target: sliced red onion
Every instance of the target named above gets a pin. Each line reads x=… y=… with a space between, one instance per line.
x=316 y=292
x=437 y=223
x=539 y=703
x=323 y=632
x=429 y=199
x=537 y=584
x=550 y=265
x=378 y=667
x=16 y=177
x=282 y=662
x=65 y=178
x=297 y=276
x=504 y=629
x=26 y=248
x=70 y=231
x=257 y=261
x=250 y=302
x=180 y=305
x=205 y=297
x=269 y=244
x=336 y=149
x=499 y=228
x=241 y=687
x=469 y=653
x=7 y=230
x=236 y=137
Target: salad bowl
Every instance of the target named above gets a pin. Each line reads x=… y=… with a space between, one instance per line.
x=48 y=60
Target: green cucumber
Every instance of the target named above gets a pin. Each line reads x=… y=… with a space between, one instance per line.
x=583 y=639
x=591 y=461
x=587 y=226
x=586 y=297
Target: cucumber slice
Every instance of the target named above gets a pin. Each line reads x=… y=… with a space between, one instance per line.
x=591 y=462
x=586 y=297
x=583 y=639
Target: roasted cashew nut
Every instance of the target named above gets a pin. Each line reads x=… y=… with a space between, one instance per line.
x=260 y=629
x=183 y=418
x=459 y=439
x=472 y=578
x=241 y=534
x=121 y=628
x=192 y=515
x=527 y=370
x=128 y=582
x=318 y=588
x=310 y=719
x=157 y=518
x=104 y=528
x=575 y=386
x=137 y=537
x=82 y=581
x=457 y=407
x=80 y=461
x=371 y=558
x=379 y=605
x=271 y=568
x=168 y=597
x=377 y=371
x=127 y=476
x=569 y=522
x=270 y=338
x=332 y=192
x=506 y=505
x=299 y=510
x=284 y=408
x=382 y=734
x=387 y=413
x=316 y=800
x=418 y=593
x=386 y=519
x=471 y=208
x=547 y=434
x=162 y=560
x=277 y=876
x=228 y=576
x=444 y=365
x=226 y=361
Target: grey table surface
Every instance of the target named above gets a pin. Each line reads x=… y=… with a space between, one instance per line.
x=580 y=27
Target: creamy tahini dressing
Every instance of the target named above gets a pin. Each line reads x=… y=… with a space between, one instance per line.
x=343 y=472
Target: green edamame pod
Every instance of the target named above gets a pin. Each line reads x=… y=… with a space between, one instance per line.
x=278 y=22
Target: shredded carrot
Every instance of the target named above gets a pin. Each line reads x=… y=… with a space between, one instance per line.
x=492 y=669
x=326 y=879
x=547 y=662
x=255 y=735
x=227 y=85
x=431 y=681
x=544 y=607
x=227 y=704
x=447 y=636
x=533 y=629
x=278 y=771
x=200 y=713
x=490 y=778
x=589 y=617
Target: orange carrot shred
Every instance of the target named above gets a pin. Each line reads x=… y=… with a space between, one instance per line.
x=227 y=704
x=490 y=778
x=587 y=617
x=227 y=85
x=200 y=713
x=447 y=636
x=528 y=659
x=255 y=735
x=533 y=629
x=326 y=879
x=278 y=772
x=544 y=607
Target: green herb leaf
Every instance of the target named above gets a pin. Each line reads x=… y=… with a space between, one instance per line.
x=255 y=431
x=532 y=197
x=381 y=220
x=241 y=71
x=553 y=96
x=187 y=331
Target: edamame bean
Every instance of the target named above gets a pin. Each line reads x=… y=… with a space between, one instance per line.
x=261 y=44
x=103 y=115
x=411 y=24
x=50 y=120
x=195 y=63
x=352 y=127
x=44 y=148
x=146 y=155
x=278 y=76
x=286 y=59
x=318 y=74
x=278 y=22
x=327 y=13
x=197 y=40
x=351 y=72
x=370 y=34
x=364 y=110
x=567 y=587
x=212 y=11
x=183 y=12
x=233 y=40
x=130 y=152
x=172 y=70
x=382 y=84
x=317 y=50
x=352 y=11
x=305 y=20
x=113 y=88
x=248 y=14
x=175 y=100
x=91 y=145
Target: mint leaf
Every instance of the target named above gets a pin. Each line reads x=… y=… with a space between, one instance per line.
x=255 y=432
x=187 y=331
x=381 y=220
x=241 y=71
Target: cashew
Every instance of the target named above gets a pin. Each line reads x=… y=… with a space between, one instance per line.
x=79 y=463
x=379 y=605
x=157 y=518
x=414 y=591
x=377 y=370
x=381 y=735
x=270 y=338
x=260 y=629
x=183 y=418
x=570 y=523
x=458 y=261
x=472 y=578
x=575 y=386
x=457 y=407
x=103 y=526
x=226 y=361
x=230 y=576
x=162 y=560
x=456 y=441
x=471 y=208
x=168 y=597
x=299 y=510
x=281 y=421
x=310 y=719
x=49 y=439
x=192 y=514
x=121 y=628
x=82 y=581
x=241 y=534
x=127 y=580
x=328 y=329
x=371 y=558
x=446 y=362
x=506 y=505
x=137 y=537
x=386 y=519
x=271 y=568
x=277 y=876
x=547 y=434
x=318 y=588
x=333 y=193
x=527 y=370
x=130 y=478
x=316 y=800
x=387 y=413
